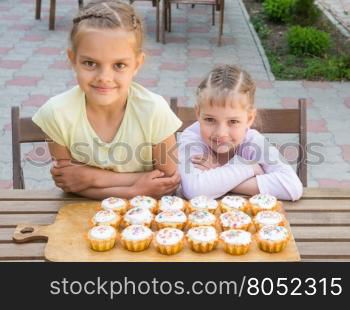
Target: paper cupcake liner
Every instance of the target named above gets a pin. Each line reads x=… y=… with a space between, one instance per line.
x=191 y=224
x=136 y=245
x=169 y=249
x=254 y=209
x=102 y=245
x=192 y=209
x=272 y=247
x=126 y=224
x=224 y=208
x=202 y=247
x=180 y=226
x=235 y=249
x=243 y=227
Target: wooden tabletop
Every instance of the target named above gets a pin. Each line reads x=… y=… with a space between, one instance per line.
x=320 y=222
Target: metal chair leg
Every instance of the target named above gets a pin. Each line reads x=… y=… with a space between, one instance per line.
x=52 y=14
x=37 y=9
x=213 y=12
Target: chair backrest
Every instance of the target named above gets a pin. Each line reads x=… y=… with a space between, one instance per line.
x=281 y=121
x=23 y=131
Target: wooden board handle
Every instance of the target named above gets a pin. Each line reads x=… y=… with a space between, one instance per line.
x=29 y=232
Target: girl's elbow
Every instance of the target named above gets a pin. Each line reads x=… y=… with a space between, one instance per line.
x=298 y=191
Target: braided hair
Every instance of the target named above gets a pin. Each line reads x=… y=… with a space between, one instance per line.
x=224 y=82
x=107 y=14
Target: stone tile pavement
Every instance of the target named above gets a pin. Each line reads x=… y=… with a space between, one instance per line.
x=33 y=67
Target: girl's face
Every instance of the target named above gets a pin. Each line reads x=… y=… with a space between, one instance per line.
x=224 y=128
x=105 y=63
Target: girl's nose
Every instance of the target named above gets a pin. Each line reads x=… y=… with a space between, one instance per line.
x=220 y=132
x=105 y=75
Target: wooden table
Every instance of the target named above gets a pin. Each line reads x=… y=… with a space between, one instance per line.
x=320 y=222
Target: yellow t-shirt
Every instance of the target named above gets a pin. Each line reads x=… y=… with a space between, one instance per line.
x=148 y=120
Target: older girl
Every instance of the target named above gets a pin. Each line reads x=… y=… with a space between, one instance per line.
x=111 y=136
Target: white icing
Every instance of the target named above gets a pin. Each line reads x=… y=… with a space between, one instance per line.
x=202 y=233
x=264 y=201
x=104 y=216
x=236 y=236
x=136 y=232
x=269 y=218
x=168 y=203
x=171 y=217
x=234 y=218
x=273 y=233
x=235 y=202
x=143 y=201
x=203 y=202
x=202 y=217
x=139 y=216
x=113 y=203
x=169 y=236
x=102 y=232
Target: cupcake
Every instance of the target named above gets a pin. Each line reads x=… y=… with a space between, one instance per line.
x=236 y=241
x=136 y=238
x=175 y=218
x=138 y=216
x=144 y=202
x=264 y=218
x=262 y=202
x=115 y=204
x=203 y=203
x=102 y=238
x=235 y=220
x=202 y=239
x=171 y=203
x=201 y=218
x=229 y=203
x=169 y=241
x=106 y=217
x=272 y=238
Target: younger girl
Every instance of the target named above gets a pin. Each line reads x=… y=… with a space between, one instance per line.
x=221 y=154
x=111 y=136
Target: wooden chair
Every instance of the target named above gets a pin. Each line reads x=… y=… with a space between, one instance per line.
x=156 y=4
x=281 y=121
x=216 y=4
x=23 y=131
x=52 y=11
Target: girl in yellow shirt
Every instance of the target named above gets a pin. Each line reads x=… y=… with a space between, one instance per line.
x=110 y=136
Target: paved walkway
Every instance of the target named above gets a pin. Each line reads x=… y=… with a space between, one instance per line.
x=33 y=67
x=339 y=11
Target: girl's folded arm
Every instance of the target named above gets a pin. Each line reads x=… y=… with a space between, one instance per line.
x=93 y=176
x=279 y=179
x=165 y=156
x=214 y=182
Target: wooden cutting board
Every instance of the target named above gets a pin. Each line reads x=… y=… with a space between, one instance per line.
x=67 y=242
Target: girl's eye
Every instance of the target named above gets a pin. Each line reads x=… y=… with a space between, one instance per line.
x=89 y=64
x=209 y=119
x=234 y=122
x=120 y=66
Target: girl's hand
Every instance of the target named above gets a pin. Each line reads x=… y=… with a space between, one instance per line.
x=205 y=161
x=71 y=176
x=155 y=185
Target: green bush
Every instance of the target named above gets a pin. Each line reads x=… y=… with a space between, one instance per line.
x=307 y=41
x=332 y=69
x=260 y=26
x=305 y=12
x=279 y=10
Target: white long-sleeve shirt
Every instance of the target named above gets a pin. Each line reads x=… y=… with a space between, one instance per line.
x=279 y=180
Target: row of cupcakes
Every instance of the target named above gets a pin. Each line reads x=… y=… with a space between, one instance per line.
x=259 y=202
x=234 y=219
x=201 y=239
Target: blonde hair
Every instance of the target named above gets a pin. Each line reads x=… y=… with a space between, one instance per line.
x=107 y=14
x=221 y=85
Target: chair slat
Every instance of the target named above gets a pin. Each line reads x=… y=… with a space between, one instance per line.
x=30 y=132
